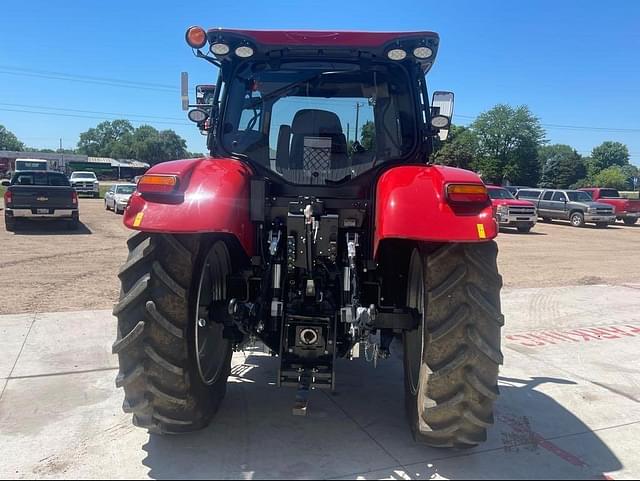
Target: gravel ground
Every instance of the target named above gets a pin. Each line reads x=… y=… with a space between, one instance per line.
x=45 y=268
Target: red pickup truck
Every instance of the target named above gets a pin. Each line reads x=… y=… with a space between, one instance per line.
x=626 y=210
x=511 y=212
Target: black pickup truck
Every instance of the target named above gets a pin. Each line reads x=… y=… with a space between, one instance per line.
x=40 y=195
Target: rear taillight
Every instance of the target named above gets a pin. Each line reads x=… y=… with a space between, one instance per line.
x=8 y=198
x=467 y=194
x=158 y=184
x=74 y=198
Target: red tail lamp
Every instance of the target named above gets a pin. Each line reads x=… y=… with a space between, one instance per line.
x=158 y=184
x=467 y=194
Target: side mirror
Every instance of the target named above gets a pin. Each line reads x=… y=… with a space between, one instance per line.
x=442 y=113
x=5 y=183
x=205 y=94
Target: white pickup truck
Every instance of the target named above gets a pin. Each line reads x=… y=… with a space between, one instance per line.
x=85 y=183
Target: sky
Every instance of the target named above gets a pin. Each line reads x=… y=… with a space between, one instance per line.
x=575 y=63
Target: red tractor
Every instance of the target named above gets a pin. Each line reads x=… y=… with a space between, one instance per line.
x=317 y=226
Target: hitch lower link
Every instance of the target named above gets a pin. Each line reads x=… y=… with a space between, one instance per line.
x=363 y=331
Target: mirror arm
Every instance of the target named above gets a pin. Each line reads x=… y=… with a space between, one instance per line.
x=199 y=54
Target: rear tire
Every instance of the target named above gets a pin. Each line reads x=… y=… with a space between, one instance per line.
x=524 y=229
x=157 y=318
x=547 y=220
x=452 y=360
x=628 y=221
x=10 y=224
x=602 y=225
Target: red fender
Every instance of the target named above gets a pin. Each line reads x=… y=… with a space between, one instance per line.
x=411 y=204
x=215 y=198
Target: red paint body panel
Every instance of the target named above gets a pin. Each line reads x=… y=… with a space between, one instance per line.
x=509 y=202
x=621 y=205
x=410 y=204
x=215 y=199
x=324 y=38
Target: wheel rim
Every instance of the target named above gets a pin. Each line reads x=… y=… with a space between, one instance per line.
x=414 y=340
x=576 y=220
x=210 y=345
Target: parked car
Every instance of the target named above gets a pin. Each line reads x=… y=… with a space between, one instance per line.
x=575 y=206
x=529 y=194
x=626 y=210
x=117 y=197
x=510 y=212
x=40 y=195
x=86 y=183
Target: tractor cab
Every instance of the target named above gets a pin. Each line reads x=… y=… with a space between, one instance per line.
x=314 y=108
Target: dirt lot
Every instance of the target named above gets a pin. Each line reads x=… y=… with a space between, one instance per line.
x=43 y=269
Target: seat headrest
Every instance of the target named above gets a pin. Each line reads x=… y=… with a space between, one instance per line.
x=316 y=122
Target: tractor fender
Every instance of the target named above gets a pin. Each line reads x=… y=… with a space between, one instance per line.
x=411 y=204
x=213 y=197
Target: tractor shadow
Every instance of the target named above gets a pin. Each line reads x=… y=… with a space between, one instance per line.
x=361 y=431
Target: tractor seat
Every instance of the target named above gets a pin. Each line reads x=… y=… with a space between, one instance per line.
x=318 y=143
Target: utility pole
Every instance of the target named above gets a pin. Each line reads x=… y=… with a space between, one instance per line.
x=358 y=105
x=348 y=132
x=62 y=166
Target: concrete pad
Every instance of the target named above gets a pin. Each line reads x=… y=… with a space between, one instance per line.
x=72 y=427
x=13 y=331
x=68 y=342
x=566 y=307
x=588 y=447
x=63 y=426
x=569 y=409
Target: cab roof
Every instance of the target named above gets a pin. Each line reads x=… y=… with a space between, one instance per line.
x=326 y=38
x=280 y=43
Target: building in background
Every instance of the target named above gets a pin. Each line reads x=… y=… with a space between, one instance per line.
x=104 y=168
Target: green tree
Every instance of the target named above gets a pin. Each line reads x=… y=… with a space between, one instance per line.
x=459 y=150
x=612 y=177
x=101 y=140
x=119 y=140
x=151 y=146
x=368 y=136
x=8 y=140
x=563 y=166
x=608 y=154
x=630 y=171
x=546 y=152
x=508 y=143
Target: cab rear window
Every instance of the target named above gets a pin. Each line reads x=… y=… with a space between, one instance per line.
x=609 y=194
x=40 y=178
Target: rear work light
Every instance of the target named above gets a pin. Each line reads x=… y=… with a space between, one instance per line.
x=467 y=194
x=157 y=184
